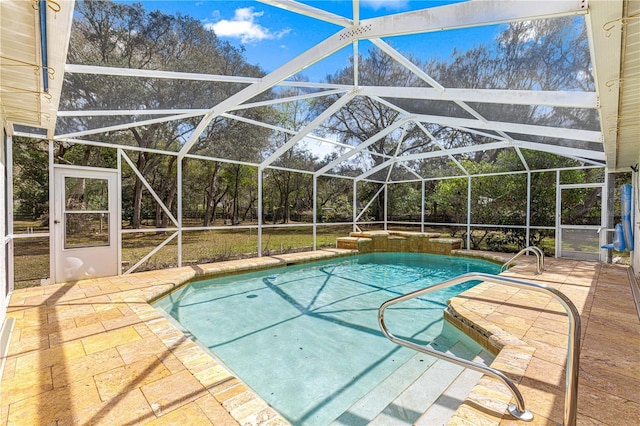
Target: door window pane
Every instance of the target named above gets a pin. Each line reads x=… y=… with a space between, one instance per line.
x=86 y=194
x=86 y=230
x=581 y=206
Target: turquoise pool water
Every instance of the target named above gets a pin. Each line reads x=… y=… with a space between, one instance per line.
x=306 y=337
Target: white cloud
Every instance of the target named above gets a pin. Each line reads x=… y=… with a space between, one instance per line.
x=243 y=25
x=385 y=4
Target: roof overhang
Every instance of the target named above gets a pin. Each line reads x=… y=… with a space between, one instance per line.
x=23 y=98
x=614 y=35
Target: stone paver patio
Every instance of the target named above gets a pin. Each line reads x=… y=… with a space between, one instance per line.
x=95 y=352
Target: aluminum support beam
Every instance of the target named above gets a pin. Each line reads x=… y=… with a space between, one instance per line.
x=361 y=147
x=423 y=205
x=437 y=142
x=127 y=126
x=468 y=14
x=260 y=214
x=354 y=201
x=277 y=101
x=125 y=112
x=402 y=60
x=528 y=216
x=315 y=211
x=174 y=75
x=468 y=212
x=310 y=11
x=309 y=57
x=452 y=151
x=335 y=107
x=525 y=129
x=386 y=206
x=282 y=129
x=150 y=189
x=561 y=150
x=492 y=96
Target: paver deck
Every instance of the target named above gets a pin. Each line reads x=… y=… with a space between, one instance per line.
x=532 y=330
x=95 y=352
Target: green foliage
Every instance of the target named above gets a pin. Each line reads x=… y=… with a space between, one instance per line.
x=31 y=179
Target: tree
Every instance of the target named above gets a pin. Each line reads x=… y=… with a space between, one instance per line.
x=116 y=34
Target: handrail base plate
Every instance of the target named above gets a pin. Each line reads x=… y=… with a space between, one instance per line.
x=525 y=416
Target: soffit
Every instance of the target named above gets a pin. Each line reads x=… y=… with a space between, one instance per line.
x=629 y=107
x=22 y=97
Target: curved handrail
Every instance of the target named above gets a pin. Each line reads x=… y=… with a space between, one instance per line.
x=518 y=410
x=535 y=250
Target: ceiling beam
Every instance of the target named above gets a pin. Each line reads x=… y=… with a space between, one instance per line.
x=297 y=64
x=561 y=150
x=175 y=75
x=362 y=146
x=282 y=129
x=452 y=151
x=526 y=129
x=553 y=98
x=310 y=11
x=467 y=14
x=335 y=107
x=126 y=126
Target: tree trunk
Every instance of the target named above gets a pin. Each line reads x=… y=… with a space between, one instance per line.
x=234 y=218
x=210 y=208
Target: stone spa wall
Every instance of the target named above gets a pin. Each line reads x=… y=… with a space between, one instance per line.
x=399 y=241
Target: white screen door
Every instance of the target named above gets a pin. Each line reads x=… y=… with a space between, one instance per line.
x=580 y=218
x=85 y=223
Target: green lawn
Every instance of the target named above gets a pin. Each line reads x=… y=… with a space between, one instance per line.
x=32 y=255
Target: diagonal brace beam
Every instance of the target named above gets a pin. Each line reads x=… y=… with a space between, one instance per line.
x=309 y=57
x=335 y=107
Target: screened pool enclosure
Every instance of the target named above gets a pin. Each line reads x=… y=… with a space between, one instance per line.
x=139 y=139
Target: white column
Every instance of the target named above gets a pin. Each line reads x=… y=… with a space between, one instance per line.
x=468 y=212
x=422 y=210
x=179 y=184
x=604 y=216
x=528 y=215
x=315 y=206
x=259 y=212
x=558 y=231
x=119 y=204
x=52 y=233
x=9 y=207
x=355 y=203
x=386 y=203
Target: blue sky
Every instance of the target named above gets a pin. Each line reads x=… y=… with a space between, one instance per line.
x=272 y=36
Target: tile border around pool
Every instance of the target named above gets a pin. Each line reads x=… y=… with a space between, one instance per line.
x=227 y=385
x=242 y=403
x=219 y=269
x=218 y=394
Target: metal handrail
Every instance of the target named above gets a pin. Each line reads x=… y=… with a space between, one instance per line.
x=535 y=250
x=518 y=409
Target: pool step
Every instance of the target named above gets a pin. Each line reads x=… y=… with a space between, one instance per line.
x=369 y=406
x=448 y=402
x=412 y=394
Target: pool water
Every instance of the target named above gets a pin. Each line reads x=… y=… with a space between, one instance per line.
x=306 y=337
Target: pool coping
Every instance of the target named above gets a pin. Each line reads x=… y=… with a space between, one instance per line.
x=42 y=315
x=216 y=388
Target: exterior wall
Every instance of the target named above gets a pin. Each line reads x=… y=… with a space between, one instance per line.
x=4 y=285
x=635 y=217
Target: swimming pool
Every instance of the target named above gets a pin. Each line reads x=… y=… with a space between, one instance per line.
x=306 y=337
